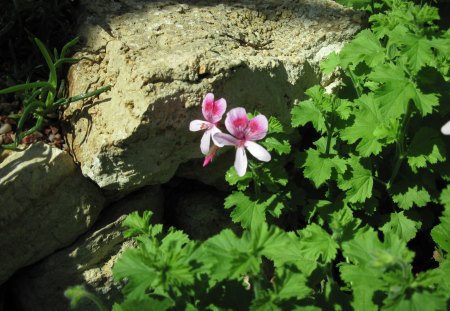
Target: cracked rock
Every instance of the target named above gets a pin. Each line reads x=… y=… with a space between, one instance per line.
x=162 y=57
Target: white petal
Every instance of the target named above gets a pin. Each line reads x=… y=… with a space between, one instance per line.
x=225 y=139
x=205 y=142
x=215 y=130
x=446 y=128
x=198 y=125
x=257 y=151
x=240 y=163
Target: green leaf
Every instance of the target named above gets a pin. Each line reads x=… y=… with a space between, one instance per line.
x=359 y=185
x=402 y=226
x=306 y=111
x=413 y=196
x=318 y=167
x=441 y=233
x=241 y=182
x=329 y=64
x=417 y=301
x=140 y=225
x=365 y=47
x=365 y=281
x=291 y=284
x=445 y=197
x=427 y=147
x=247 y=212
x=275 y=125
x=396 y=90
x=343 y=224
x=368 y=120
x=416 y=49
x=231 y=257
x=281 y=147
x=316 y=242
x=153 y=265
x=146 y=303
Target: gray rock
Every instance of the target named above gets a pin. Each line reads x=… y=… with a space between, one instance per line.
x=161 y=58
x=88 y=261
x=46 y=205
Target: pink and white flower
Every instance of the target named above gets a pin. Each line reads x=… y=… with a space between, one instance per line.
x=213 y=112
x=244 y=132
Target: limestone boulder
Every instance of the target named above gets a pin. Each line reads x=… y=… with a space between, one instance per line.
x=46 y=205
x=162 y=57
x=87 y=261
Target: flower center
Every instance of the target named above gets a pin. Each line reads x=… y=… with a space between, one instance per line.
x=240 y=124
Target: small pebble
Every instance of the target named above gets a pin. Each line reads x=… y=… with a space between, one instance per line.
x=5 y=128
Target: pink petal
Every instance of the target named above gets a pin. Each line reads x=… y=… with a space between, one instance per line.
x=213 y=110
x=240 y=163
x=208 y=106
x=205 y=142
x=219 y=108
x=198 y=125
x=446 y=128
x=222 y=139
x=257 y=128
x=257 y=151
x=236 y=122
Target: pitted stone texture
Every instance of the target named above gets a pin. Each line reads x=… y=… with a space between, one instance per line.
x=46 y=205
x=88 y=261
x=161 y=58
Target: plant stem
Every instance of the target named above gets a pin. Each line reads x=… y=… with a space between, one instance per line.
x=355 y=83
x=257 y=287
x=96 y=301
x=400 y=153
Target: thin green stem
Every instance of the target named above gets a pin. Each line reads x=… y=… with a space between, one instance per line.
x=355 y=83
x=400 y=147
x=257 y=287
x=96 y=301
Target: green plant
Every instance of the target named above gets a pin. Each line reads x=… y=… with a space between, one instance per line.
x=42 y=97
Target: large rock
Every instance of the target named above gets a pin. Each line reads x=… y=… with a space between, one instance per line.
x=46 y=205
x=88 y=261
x=161 y=58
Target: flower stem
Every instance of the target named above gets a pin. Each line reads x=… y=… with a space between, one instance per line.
x=400 y=152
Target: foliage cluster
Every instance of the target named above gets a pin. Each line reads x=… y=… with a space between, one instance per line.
x=371 y=225
x=43 y=97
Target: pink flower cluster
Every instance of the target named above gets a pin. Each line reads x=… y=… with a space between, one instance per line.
x=243 y=132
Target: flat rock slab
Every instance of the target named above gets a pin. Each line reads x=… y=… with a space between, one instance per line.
x=88 y=261
x=46 y=205
x=161 y=58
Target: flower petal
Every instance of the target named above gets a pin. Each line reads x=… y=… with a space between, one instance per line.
x=208 y=106
x=236 y=122
x=198 y=125
x=222 y=139
x=446 y=128
x=240 y=163
x=219 y=108
x=214 y=131
x=205 y=142
x=257 y=128
x=257 y=151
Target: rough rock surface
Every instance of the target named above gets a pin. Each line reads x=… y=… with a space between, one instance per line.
x=162 y=57
x=46 y=205
x=88 y=261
